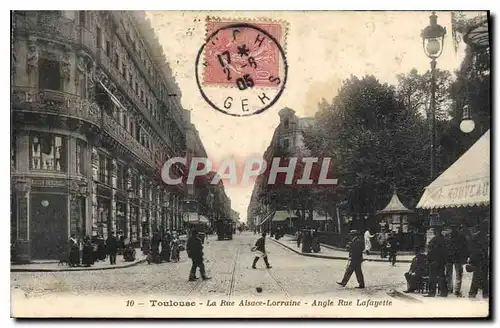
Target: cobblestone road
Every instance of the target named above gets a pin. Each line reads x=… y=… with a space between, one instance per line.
x=229 y=264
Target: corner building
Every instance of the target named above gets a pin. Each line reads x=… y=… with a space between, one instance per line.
x=95 y=113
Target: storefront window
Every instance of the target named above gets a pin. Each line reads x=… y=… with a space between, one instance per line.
x=120 y=217
x=48 y=152
x=104 y=207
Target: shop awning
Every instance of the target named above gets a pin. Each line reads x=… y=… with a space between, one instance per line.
x=281 y=216
x=319 y=217
x=267 y=218
x=111 y=96
x=465 y=183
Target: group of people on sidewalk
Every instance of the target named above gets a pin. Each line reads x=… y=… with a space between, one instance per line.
x=309 y=239
x=389 y=242
x=165 y=247
x=447 y=256
x=87 y=251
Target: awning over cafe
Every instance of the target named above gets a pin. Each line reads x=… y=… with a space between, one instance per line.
x=465 y=183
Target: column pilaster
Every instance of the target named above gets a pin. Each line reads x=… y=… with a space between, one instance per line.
x=113 y=173
x=23 y=241
x=95 y=177
x=128 y=187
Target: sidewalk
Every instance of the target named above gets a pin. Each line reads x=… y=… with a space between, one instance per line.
x=329 y=252
x=419 y=297
x=54 y=266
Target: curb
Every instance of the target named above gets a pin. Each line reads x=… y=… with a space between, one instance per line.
x=316 y=255
x=344 y=250
x=79 y=269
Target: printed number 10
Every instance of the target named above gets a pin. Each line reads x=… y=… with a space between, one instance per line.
x=130 y=303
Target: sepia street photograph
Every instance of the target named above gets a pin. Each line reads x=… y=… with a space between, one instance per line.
x=250 y=164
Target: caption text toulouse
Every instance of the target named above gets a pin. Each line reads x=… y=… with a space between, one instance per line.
x=250 y=303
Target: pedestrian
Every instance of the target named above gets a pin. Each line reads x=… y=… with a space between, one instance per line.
x=392 y=247
x=382 y=241
x=87 y=252
x=166 y=247
x=436 y=256
x=175 y=249
x=355 y=247
x=368 y=243
x=194 y=250
x=299 y=238
x=306 y=241
x=260 y=251
x=418 y=268
x=74 y=251
x=112 y=247
x=479 y=261
x=457 y=254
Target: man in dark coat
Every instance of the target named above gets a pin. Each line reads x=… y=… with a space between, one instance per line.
x=194 y=250
x=457 y=254
x=112 y=247
x=418 y=268
x=260 y=251
x=165 y=246
x=479 y=261
x=436 y=256
x=392 y=246
x=355 y=247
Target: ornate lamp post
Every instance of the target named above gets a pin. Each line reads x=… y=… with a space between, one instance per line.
x=433 y=44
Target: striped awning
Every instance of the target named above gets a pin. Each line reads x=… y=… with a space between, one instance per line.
x=465 y=183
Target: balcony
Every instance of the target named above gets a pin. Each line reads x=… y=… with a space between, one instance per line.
x=173 y=112
x=59 y=103
x=27 y=99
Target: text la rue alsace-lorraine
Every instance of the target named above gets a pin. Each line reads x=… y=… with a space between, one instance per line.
x=273 y=303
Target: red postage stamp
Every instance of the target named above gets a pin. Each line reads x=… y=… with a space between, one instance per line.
x=247 y=49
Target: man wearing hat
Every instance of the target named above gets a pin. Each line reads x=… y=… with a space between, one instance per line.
x=436 y=256
x=355 y=248
x=194 y=250
x=457 y=254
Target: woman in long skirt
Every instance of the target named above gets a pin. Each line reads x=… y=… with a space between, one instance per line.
x=74 y=251
x=87 y=252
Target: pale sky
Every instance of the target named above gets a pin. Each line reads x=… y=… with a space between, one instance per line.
x=322 y=49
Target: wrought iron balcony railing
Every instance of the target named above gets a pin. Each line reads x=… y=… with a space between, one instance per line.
x=27 y=99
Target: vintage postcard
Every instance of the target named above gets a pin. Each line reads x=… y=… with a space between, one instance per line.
x=260 y=164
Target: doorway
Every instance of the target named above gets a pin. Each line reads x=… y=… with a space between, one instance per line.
x=48 y=226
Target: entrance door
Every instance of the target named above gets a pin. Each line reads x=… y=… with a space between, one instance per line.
x=48 y=226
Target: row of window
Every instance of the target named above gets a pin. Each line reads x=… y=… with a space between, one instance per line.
x=125 y=66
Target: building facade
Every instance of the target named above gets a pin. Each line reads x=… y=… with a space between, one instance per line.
x=95 y=113
x=289 y=137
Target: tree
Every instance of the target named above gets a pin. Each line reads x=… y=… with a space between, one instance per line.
x=375 y=141
x=414 y=90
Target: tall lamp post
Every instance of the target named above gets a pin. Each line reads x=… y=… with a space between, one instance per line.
x=433 y=44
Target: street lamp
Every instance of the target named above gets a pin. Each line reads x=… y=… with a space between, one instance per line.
x=433 y=44
x=467 y=125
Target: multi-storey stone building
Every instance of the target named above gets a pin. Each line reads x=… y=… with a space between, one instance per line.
x=288 y=136
x=95 y=112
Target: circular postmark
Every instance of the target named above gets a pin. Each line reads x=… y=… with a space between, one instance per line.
x=241 y=69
